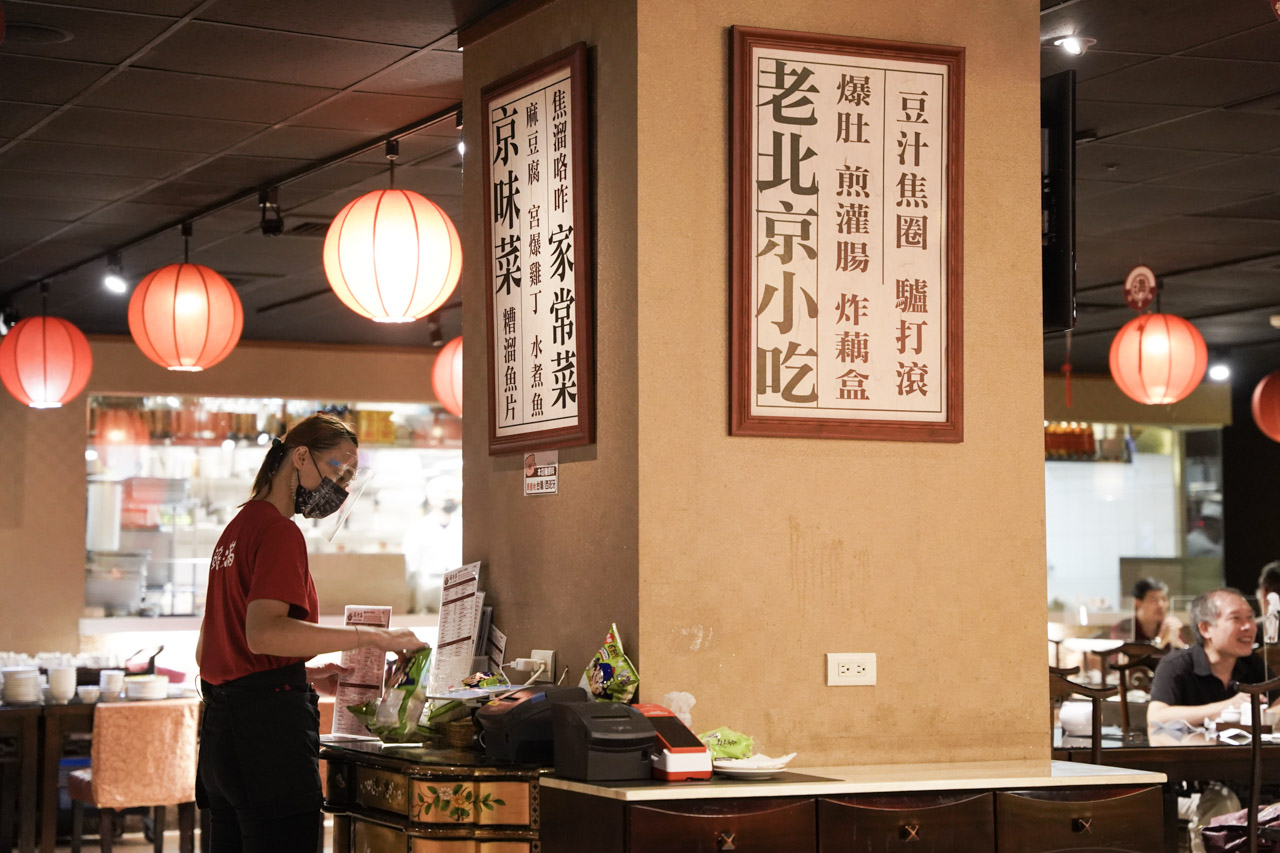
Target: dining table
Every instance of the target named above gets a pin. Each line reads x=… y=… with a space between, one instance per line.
x=20 y=731
x=1182 y=753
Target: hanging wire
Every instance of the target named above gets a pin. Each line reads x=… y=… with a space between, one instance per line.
x=186 y=242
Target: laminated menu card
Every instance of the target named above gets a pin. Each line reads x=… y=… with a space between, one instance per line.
x=363 y=681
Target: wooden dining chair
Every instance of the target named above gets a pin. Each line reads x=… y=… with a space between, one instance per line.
x=1255 y=693
x=1060 y=688
x=1064 y=671
x=1148 y=664
x=143 y=756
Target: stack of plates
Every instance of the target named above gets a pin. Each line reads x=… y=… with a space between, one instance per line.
x=21 y=685
x=146 y=687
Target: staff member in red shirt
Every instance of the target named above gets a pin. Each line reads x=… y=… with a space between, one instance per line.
x=259 y=739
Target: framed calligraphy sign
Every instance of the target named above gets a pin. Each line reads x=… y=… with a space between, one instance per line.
x=847 y=179
x=538 y=256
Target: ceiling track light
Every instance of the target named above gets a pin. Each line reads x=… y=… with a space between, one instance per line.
x=269 y=201
x=1075 y=45
x=114 y=279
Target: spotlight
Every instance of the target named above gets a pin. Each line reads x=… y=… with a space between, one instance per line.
x=462 y=148
x=1220 y=372
x=269 y=201
x=1075 y=45
x=114 y=280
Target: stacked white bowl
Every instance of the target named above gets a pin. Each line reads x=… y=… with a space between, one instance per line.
x=112 y=683
x=62 y=684
x=21 y=685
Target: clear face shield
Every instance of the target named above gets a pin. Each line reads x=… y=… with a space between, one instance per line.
x=342 y=483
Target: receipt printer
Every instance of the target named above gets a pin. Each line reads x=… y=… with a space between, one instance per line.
x=517 y=727
x=602 y=742
x=679 y=755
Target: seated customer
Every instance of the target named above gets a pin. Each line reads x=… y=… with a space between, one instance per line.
x=1151 y=622
x=1198 y=683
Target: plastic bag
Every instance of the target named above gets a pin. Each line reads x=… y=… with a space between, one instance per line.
x=724 y=742
x=610 y=677
x=395 y=718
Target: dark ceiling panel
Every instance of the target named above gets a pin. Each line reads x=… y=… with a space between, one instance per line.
x=1094 y=63
x=401 y=22
x=1260 y=43
x=140 y=130
x=1155 y=26
x=1185 y=80
x=170 y=8
x=1107 y=118
x=372 y=113
x=151 y=91
x=1261 y=208
x=1104 y=161
x=311 y=143
x=228 y=51
x=97 y=36
x=15 y=119
x=183 y=193
x=1206 y=229
x=243 y=172
x=45 y=185
x=1257 y=172
x=1213 y=130
x=61 y=209
x=431 y=74
x=94 y=160
x=45 y=81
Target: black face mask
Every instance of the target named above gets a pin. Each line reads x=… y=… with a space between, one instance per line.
x=320 y=502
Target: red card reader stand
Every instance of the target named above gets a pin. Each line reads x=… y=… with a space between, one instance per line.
x=681 y=757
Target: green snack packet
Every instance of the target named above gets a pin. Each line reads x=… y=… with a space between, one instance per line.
x=610 y=677
x=724 y=742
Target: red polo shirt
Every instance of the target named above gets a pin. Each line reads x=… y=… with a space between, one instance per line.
x=261 y=554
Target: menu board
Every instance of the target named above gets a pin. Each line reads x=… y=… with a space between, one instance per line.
x=363 y=681
x=847 y=319
x=538 y=237
x=456 y=642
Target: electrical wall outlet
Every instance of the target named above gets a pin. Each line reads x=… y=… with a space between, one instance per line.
x=846 y=668
x=548 y=658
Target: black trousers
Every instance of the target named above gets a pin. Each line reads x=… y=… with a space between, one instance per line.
x=259 y=773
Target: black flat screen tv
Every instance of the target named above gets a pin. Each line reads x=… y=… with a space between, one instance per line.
x=1058 y=200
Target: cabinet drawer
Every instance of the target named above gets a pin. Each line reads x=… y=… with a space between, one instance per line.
x=374 y=838
x=1048 y=820
x=764 y=825
x=384 y=790
x=919 y=823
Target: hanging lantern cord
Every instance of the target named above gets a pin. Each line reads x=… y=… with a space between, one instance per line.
x=393 y=151
x=1159 y=291
x=44 y=299
x=186 y=242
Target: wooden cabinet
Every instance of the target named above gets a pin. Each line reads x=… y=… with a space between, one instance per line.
x=765 y=825
x=1045 y=821
x=428 y=801
x=923 y=823
x=1019 y=821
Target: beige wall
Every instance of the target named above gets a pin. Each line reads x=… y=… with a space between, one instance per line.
x=1099 y=399
x=42 y=512
x=559 y=569
x=748 y=559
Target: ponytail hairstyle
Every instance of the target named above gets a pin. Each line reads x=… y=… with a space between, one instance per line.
x=321 y=431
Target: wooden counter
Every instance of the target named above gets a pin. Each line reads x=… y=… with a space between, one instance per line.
x=1008 y=806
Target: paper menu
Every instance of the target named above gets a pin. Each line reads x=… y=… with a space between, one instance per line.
x=459 y=614
x=364 y=682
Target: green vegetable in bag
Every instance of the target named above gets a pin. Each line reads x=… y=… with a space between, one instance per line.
x=724 y=742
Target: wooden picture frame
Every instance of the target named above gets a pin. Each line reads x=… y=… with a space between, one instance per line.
x=847 y=310
x=539 y=269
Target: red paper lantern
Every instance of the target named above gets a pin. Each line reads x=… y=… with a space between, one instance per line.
x=446 y=377
x=45 y=362
x=392 y=256
x=1158 y=358
x=1266 y=405
x=185 y=317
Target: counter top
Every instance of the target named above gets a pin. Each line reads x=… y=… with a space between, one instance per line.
x=873 y=779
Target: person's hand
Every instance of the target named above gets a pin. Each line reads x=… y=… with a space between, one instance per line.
x=1171 y=632
x=391 y=639
x=324 y=678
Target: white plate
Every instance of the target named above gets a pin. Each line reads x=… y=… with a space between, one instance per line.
x=750 y=772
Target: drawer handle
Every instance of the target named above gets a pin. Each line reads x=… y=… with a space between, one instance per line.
x=908 y=833
x=724 y=841
x=1082 y=825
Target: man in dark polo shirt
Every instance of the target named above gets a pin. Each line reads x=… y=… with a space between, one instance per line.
x=1199 y=683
